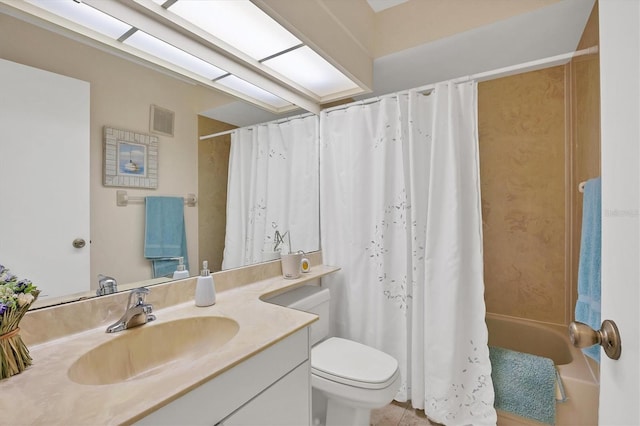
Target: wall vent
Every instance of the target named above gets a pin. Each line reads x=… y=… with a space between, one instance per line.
x=161 y=121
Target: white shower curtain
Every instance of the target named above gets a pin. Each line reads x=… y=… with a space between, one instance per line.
x=273 y=186
x=401 y=215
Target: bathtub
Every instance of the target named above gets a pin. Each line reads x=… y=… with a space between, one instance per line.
x=552 y=341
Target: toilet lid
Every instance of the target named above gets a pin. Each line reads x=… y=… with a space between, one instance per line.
x=353 y=363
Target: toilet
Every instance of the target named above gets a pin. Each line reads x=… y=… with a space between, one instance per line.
x=350 y=377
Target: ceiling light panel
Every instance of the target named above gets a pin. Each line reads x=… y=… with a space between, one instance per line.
x=311 y=71
x=238 y=23
x=84 y=15
x=160 y=49
x=252 y=91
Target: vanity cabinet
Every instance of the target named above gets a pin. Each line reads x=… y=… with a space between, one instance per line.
x=272 y=387
x=282 y=404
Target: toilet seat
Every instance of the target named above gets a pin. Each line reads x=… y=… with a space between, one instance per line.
x=354 y=364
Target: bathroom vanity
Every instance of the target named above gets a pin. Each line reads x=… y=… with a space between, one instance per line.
x=270 y=388
x=241 y=361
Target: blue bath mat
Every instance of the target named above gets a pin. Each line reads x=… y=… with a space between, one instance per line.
x=524 y=384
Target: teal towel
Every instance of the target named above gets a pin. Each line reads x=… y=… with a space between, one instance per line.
x=589 y=294
x=524 y=384
x=164 y=234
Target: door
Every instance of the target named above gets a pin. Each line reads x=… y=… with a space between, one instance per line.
x=44 y=127
x=620 y=116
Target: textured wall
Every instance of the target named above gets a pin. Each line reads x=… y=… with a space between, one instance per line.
x=539 y=138
x=213 y=166
x=522 y=167
x=585 y=101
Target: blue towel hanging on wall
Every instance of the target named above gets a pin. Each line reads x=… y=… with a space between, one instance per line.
x=164 y=234
x=589 y=270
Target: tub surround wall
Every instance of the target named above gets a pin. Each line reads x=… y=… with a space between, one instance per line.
x=539 y=138
x=521 y=122
x=585 y=136
x=213 y=168
x=585 y=98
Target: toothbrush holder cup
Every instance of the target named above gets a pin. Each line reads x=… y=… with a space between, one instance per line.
x=293 y=264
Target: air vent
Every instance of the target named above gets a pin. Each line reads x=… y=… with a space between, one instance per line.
x=161 y=121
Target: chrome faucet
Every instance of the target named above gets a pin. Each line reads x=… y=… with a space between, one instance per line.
x=106 y=285
x=138 y=312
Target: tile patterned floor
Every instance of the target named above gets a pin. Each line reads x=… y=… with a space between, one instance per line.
x=399 y=414
x=402 y=414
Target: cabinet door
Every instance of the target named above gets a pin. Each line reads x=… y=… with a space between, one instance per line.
x=221 y=397
x=285 y=403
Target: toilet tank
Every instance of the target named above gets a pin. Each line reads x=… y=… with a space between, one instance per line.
x=308 y=298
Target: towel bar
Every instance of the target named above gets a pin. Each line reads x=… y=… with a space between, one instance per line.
x=123 y=199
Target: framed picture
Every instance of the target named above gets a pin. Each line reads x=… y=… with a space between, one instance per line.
x=130 y=159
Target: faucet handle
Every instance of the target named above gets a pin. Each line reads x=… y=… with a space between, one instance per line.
x=106 y=285
x=148 y=309
x=140 y=294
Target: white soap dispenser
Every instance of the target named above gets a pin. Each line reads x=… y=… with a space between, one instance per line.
x=180 y=272
x=205 y=289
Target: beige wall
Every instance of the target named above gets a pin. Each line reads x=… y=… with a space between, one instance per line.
x=522 y=167
x=539 y=138
x=213 y=166
x=417 y=22
x=121 y=95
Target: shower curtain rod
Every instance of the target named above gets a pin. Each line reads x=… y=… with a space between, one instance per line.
x=483 y=76
x=215 y=135
x=278 y=121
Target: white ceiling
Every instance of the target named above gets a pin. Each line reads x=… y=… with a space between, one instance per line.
x=378 y=5
x=545 y=32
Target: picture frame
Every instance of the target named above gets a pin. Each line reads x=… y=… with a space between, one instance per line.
x=130 y=159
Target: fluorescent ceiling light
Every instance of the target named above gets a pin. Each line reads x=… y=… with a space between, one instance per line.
x=84 y=15
x=311 y=71
x=255 y=92
x=160 y=49
x=270 y=66
x=238 y=23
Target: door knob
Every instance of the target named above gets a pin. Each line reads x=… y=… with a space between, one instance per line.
x=78 y=243
x=583 y=336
